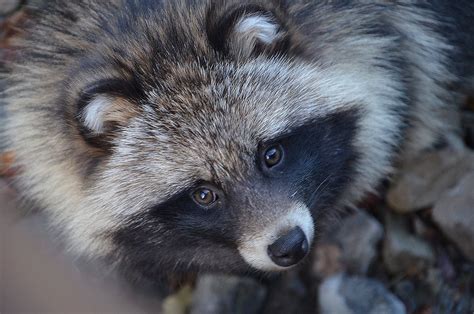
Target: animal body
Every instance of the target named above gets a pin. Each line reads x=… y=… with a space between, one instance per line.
x=211 y=135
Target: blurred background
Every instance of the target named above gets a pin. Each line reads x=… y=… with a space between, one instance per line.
x=409 y=249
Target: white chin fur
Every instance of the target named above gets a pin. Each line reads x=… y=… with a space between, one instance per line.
x=254 y=247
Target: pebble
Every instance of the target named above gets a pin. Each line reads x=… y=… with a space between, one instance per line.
x=421 y=183
x=8 y=6
x=357 y=295
x=216 y=294
x=351 y=246
x=454 y=214
x=358 y=236
x=403 y=252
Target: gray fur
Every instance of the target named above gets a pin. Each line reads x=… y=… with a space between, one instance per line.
x=202 y=110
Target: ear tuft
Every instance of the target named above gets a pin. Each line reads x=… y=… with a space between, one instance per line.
x=104 y=110
x=252 y=31
x=257 y=28
x=93 y=114
x=243 y=31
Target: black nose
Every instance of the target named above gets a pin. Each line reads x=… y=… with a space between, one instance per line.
x=289 y=249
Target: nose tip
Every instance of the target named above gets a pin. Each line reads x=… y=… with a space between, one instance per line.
x=289 y=249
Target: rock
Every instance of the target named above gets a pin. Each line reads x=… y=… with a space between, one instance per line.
x=350 y=246
x=406 y=291
x=415 y=294
x=434 y=279
x=454 y=214
x=451 y=301
x=423 y=230
x=421 y=182
x=8 y=6
x=357 y=295
x=179 y=302
x=289 y=294
x=358 y=236
x=327 y=260
x=403 y=252
x=227 y=294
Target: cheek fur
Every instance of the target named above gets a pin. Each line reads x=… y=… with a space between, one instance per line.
x=148 y=247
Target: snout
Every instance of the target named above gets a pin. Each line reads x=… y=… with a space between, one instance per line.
x=282 y=244
x=289 y=249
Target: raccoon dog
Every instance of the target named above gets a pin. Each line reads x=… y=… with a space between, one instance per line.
x=211 y=135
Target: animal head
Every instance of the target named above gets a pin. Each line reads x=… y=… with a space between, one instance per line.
x=207 y=136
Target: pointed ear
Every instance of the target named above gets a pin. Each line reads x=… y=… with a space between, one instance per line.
x=246 y=31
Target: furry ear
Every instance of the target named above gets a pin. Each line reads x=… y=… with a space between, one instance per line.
x=104 y=112
x=104 y=106
x=246 y=31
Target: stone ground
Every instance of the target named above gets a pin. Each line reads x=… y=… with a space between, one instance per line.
x=409 y=250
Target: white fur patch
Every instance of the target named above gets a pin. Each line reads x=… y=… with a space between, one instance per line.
x=254 y=247
x=258 y=27
x=93 y=115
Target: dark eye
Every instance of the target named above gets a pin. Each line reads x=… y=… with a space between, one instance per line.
x=204 y=197
x=273 y=156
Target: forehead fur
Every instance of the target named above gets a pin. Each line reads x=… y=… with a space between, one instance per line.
x=210 y=130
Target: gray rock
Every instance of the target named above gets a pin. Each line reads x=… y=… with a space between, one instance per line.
x=406 y=291
x=328 y=260
x=421 y=182
x=451 y=301
x=217 y=294
x=358 y=236
x=415 y=294
x=357 y=295
x=403 y=252
x=454 y=214
x=288 y=293
x=8 y=6
x=179 y=302
x=350 y=246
